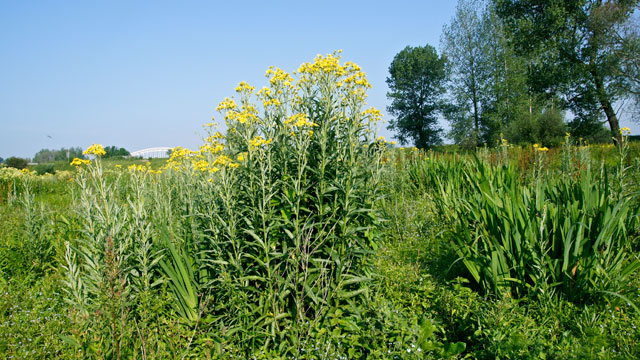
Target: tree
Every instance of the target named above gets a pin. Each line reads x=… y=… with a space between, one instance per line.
x=627 y=38
x=416 y=81
x=16 y=162
x=112 y=151
x=577 y=59
x=46 y=155
x=465 y=46
x=488 y=80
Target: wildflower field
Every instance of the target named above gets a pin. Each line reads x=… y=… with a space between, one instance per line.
x=298 y=233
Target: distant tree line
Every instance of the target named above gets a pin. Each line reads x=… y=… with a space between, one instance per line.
x=516 y=68
x=46 y=155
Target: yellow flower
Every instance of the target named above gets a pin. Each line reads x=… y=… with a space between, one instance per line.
x=258 y=141
x=141 y=168
x=227 y=104
x=299 y=120
x=625 y=131
x=95 y=149
x=79 y=162
x=200 y=165
x=243 y=86
x=543 y=149
x=374 y=115
x=535 y=146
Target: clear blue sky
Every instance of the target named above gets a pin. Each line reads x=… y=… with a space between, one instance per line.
x=140 y=74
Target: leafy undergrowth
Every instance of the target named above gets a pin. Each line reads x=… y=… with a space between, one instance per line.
x=422 y=277
x=32 y=317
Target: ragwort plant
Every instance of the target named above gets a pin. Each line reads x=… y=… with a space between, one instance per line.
x=261 y=236
x=289 y=204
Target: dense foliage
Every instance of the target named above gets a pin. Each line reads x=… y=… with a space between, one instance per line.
x=300 y=234
x=416 y=86
x=515 y=65
x=47 y=156
x=16 y=162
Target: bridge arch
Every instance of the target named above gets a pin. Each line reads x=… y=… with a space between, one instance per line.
x=152 y=153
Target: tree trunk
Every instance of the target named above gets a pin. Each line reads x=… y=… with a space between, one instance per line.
x=605 y=103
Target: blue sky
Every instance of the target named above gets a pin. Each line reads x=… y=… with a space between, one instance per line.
x=141 y=74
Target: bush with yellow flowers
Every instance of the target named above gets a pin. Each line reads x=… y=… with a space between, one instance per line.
x=261 y=235
x=287 y=211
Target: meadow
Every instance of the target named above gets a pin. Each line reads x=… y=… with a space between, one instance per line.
x=301 y=234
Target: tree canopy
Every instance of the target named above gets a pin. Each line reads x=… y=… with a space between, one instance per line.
x=578 y=55
x=417 y=77
x=46 y=155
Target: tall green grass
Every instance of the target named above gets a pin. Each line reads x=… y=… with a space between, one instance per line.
x=517 y=235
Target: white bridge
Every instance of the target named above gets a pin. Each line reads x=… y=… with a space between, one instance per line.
x=152 y=153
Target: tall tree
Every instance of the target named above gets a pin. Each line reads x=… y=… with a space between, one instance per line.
x=627 y=38
x=508 y=97
x=416 y=81
x=576 y=59
x=465 y=46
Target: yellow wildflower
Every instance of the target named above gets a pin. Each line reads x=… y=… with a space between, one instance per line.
x=79 y=162
x=95 y=149
x=258 y=141
x=227 y=104
x=243 y=86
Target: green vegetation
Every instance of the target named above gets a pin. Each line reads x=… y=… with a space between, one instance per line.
x=528 y=71
x=416 y=86
x=301 y=234
x=16 y=162
x=48 y=156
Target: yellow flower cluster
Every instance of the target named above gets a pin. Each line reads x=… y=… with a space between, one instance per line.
x=539 y=148
x=179 y=155
x=143 y=169
x=247 y=113
x=258 y=141
x=200 y=165
x=625 y=131
x=244 y=87
x=359 y=78
x=227 y=104
x=324 y=64
x=95 y=149
x=299 y=120
x=374 y=115
x=213 y=147
x=279 y=77
x=80 y=162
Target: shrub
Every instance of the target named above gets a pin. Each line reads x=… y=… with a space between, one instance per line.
x=16 y=162
x=264 y=231
x=42 y=169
